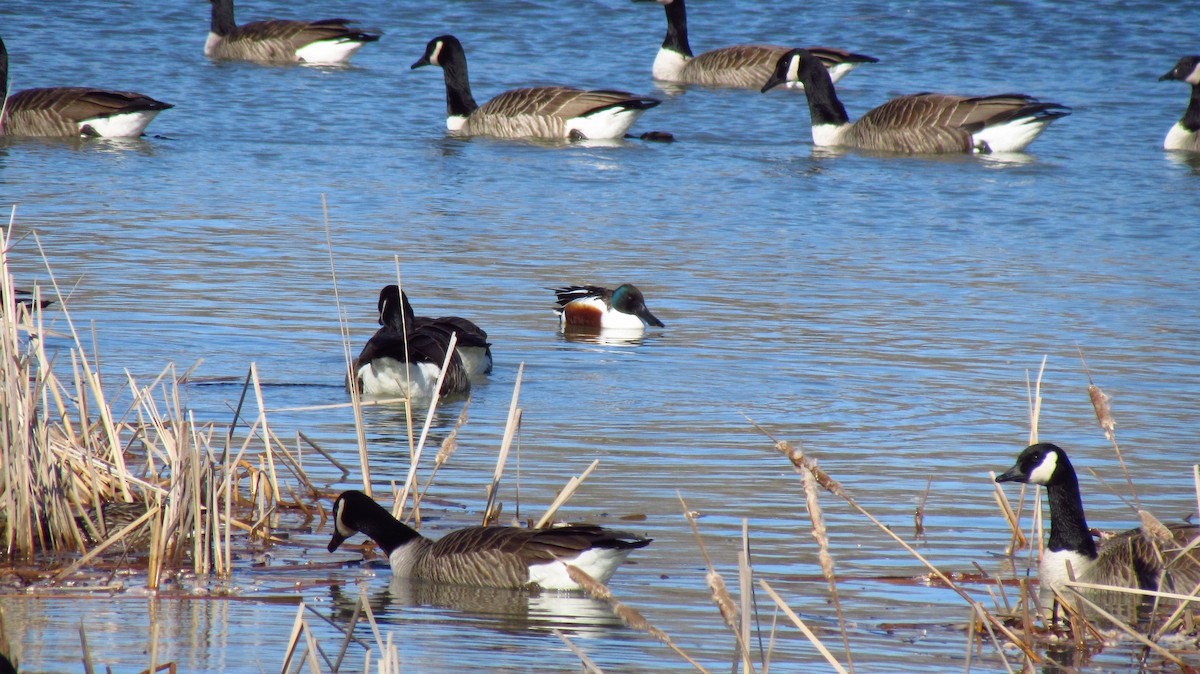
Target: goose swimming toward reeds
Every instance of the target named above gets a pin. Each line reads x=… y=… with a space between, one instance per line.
x=485 y=556
x=473 y=346
x=73 y=111
x=279 y=41
x=405 y=360
x=1185 y=135
x=925 y=123
x=555 y=113
x=623 y=308
x=1137 y=558
x=745 y=66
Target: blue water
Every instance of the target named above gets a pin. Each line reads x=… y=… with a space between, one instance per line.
x=885 y=312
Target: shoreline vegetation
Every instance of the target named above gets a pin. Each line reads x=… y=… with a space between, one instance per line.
x=207 y=494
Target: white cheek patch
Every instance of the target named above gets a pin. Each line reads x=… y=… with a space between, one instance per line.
x=437 y=51
x=1045 y=469
x=793 y=74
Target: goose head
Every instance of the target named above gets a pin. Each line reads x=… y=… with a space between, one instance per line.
x=790 y=68
x=1044 y=464
x=441 y=50
x=1187 y=70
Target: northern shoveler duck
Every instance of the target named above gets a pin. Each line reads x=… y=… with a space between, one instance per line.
x=402 y=363
x=473 y=347
x=594 y=307
x=485 y=556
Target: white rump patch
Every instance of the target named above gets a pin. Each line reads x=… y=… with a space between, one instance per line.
x=127 y=125
x=388 y=377
x=610 y=123
x=1044 y=470
x=328 y=52
x=1012 y=136
x=599 y=563
x=668 y=65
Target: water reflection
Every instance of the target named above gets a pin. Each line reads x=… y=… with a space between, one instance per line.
x=607 y=336
x=502 y=609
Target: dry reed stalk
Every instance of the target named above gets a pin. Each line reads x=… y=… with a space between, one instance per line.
x=1018 y=540
x=1034 y=397
x=448 y=447
x=802 y=463
x=565 y=495
x=628 y=615
x=812 y=637
x=87 y=653
x=819 y=534
x=716 y=585
x=588 y=664
x=746 y=589
x=112 y=540
x=410 y=482
x=293 y=639
x=984 y=618
x=1121 y=625
x=492 y=512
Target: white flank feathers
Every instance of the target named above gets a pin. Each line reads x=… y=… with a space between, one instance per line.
x=129 y=124
x=390 y=377
x=609 y=123
x=599 y=563
x=1011 y=136
x=328 y=52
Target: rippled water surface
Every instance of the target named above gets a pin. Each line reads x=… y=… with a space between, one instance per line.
x=885 y=312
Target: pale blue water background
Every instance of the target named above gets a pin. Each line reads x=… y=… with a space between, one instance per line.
x=884 y=312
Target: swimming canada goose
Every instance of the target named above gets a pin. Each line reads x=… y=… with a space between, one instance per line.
x=924 y=123
x=324 y=42
x=595 y=307
x=744 y=66
x=485 y=556
x=472 y=347
x=406 y=363
x=1185 y=135
x=534 y=112
x=73 y=111
x=1129 y=559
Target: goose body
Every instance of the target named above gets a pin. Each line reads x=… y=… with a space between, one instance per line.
x=406 y=363
x=73 y=111
x=279 y=41
x=1128 y=559
x=1185 y=134
x=623 y=308
x=485 y=556
x=925 y=123
x=472 y=347
x=745 y=66
x=557 y=113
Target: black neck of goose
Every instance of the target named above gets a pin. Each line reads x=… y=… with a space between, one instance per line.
x=3 y=77
x=222 y=17
x=459 y=101
x=1191 y=117
x=677 y=39
x=823 y=102
x=388 y=532
x=1068 y=527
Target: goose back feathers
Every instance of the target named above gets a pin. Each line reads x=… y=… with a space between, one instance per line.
x=485 y=556
x=925 y=123
x=73 y=111
x=279 y=41
x=473 y=347
x=1185 y=134
x=533 y=112
x=1136 y=558
x=745 y=66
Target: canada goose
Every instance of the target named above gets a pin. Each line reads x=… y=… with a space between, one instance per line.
x=1185 y=135
x=485 y=556
x=744 y=66
x=924 y=123
x=1129 y=559
x=402 y=363
x=596 y=307
x=73 y=111
x=324 y=42
x=534 y=112
x=472 y=347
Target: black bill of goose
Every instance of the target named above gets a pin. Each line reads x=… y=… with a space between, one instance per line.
x=403 y=360
x=472 y=347
x=745 y=66
x=485 y=556
x=73 y=111
x=1185 y=135
x=924 y=123
x=553 y=113
x=1137 y=558
x=279 y=41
